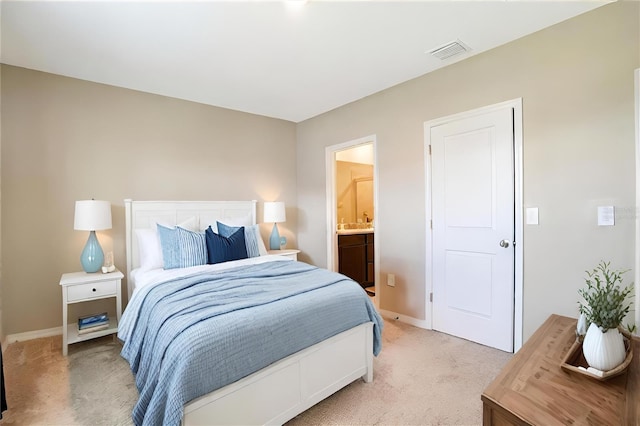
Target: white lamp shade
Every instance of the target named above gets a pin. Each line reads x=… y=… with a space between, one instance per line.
x=92 y=215
x=274 y=212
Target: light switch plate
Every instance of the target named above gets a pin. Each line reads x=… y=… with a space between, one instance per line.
x=391 y=280
x=606 y=215
x=532 y=215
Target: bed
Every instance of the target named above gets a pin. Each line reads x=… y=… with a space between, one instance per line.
x=264 y=339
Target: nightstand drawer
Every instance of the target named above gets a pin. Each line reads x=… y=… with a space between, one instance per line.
x=91 y=290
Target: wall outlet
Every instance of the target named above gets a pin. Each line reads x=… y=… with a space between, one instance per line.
x=391 y=280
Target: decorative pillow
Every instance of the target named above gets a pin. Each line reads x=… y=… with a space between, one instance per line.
x=246 y=221
x=261 y=247
x=169 y=244
x=182 y=248
x=252 y=237
x=223 y=249
x=193 y=248
x=149 y=249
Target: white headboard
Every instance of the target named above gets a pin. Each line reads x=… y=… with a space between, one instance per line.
x=145 y=214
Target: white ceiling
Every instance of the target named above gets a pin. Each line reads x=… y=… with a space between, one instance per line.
x=289 y=60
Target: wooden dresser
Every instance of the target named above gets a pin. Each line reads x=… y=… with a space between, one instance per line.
x=533 y=389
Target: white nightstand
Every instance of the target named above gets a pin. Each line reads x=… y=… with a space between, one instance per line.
x=292 y=253
x=80 y=287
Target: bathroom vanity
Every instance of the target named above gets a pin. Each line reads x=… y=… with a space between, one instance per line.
x=355 y=255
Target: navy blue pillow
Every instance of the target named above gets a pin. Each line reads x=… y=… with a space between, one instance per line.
x=251 y=235
x=223 y=249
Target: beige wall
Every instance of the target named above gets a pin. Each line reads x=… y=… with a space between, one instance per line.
x=576 y=82
x=65 y=139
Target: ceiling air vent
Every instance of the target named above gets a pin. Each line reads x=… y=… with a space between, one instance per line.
x=448 y=50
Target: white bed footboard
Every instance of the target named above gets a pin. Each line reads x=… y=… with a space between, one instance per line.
x=290 y=386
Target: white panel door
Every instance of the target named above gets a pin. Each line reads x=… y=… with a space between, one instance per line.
x=473 y=228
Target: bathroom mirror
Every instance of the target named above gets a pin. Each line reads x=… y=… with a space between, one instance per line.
x=364 y=199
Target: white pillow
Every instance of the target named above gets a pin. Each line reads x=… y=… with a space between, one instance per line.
x=149 y=248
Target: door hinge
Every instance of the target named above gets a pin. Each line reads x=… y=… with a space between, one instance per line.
x=431 y=224
x=429 y=149
x=431 y=297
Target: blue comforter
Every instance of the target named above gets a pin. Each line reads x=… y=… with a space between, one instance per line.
x=188 y=337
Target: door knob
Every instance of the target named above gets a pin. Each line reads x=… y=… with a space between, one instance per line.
x=504 y=243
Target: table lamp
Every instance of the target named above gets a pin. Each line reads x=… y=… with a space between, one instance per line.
x=92 y=216
x=274 y=212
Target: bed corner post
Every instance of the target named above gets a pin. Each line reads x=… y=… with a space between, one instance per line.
x=128 y=241
x=253 y=212
x=368 y=376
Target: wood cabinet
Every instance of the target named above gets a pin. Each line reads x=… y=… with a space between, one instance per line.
x=533 y=389
x=355 y=258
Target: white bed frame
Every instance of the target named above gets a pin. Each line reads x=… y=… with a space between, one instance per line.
x=284 y=389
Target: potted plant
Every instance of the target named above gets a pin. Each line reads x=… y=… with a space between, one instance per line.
x=606 y=305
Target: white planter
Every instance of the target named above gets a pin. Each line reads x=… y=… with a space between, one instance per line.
x=603 y=351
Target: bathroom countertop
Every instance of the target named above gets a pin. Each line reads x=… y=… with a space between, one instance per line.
x=355 y=231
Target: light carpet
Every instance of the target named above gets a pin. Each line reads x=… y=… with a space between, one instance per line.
x=420 y=378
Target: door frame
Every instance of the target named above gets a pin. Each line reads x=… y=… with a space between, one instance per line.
x=516 y=105
x=637 y=215
x=332 y=220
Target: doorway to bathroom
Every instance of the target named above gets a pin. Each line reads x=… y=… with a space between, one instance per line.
x=352 y=211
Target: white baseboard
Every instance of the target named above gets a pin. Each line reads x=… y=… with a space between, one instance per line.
x=406 y=319
x=55 y=331
x=30 y=335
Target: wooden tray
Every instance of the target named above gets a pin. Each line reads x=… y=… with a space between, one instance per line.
x=574 y=359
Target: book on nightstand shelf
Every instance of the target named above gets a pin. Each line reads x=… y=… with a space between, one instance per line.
x=82 y=331
x=91 y=323
x=91 y=319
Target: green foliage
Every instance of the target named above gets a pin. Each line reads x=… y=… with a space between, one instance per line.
x=606 y=301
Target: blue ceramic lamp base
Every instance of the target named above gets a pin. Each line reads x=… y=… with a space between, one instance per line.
x=274 y=240
x=92 y=256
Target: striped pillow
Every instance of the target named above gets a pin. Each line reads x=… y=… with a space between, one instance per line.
x=193 y=248
x=182 y=248
x=250 y=236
